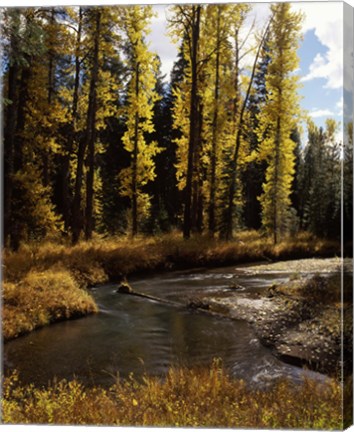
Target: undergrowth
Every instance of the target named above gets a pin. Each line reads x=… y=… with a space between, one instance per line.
x=189 y=398
x=45 y=282
x=41 y=298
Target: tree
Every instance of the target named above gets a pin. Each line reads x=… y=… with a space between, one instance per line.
x=348 y=187
x=99 y=101
x=278 y=119
x=28 y=208
x=253 y=175
x=321 y=180
x=141 y=97
x=186 y=22
x=239 y=116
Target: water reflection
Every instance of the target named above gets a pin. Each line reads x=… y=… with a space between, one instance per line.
x=132 y=334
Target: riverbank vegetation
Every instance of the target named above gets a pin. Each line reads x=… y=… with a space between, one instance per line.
x=110 y=169
x=186 y=398
x=41 y=298
x=45 y=282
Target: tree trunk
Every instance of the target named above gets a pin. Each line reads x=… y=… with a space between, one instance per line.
x=275 y=187
x=91 y=127
x=212 y=225
x=51 y=78
x=9 y=149
x=87 y=139
x=239 y=124
x=193 y=117
x=10 y=129
x=16 y=224
x=65 y=174
x=135 y=159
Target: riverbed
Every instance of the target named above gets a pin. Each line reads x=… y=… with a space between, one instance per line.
x=141 y=336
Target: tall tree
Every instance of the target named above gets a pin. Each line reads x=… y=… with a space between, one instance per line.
x=253 y=176
x=320 y=181
x=142 y=65
x=186 y=23
x=278 y=119
x=28 y=209
x=99 y=102
x=239 y=116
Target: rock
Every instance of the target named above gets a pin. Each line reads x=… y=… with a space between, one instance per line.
x=236 y=287
x=124 y=288
x=198 y=304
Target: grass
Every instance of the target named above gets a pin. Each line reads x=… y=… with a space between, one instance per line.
x=189 y=398
x=46 y=282
x=42 y=298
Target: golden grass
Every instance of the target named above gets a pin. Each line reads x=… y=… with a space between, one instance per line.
x=41 y=298
x=64 y=268
x=190 y=398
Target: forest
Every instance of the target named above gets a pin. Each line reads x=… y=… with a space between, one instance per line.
x=220 y=198
x=98 y=142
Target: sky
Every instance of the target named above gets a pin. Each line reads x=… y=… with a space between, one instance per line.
x=320 y=53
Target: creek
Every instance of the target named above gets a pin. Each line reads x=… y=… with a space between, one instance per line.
x=135 y=335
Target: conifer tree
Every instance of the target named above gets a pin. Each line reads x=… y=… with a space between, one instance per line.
x=321 y=180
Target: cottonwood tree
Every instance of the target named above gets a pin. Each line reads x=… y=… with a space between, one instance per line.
x=142 y=65
x=97 y=102
x=240 y=114
x=29 y=122
x=186 y=24
x=278 y=119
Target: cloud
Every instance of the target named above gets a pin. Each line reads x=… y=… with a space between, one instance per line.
x=327 y=23
x=340 y=106
x=321 y=113
x=160 y=42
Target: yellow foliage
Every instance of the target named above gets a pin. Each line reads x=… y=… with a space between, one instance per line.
x=204 y=397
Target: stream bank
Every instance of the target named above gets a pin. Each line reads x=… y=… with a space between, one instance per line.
x=298 y=318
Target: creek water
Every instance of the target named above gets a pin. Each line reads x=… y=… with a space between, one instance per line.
x=136 y=335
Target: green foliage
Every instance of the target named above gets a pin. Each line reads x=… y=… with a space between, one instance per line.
x=321 y=181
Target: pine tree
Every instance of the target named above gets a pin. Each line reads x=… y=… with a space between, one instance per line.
x=321 y=180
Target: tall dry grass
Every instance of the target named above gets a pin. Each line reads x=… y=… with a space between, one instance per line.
x=41 y=298
x=68 y=270
x=189 y=398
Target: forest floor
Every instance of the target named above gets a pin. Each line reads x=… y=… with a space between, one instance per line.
x=44 y=283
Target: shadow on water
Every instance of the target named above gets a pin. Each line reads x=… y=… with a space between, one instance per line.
x=132 y=334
